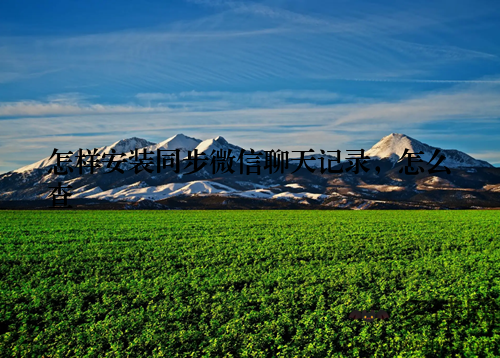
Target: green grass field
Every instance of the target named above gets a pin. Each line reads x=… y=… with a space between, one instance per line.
x=249 y=283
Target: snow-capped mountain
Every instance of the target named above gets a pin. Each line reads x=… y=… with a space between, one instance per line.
x=141 y=190
x=126 y=145
x=469 y=184
x=121 y=146
x=217 y=144
x=178 y=141
x=393 y=146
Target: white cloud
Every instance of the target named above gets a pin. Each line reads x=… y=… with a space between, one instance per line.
x=59 y=107
x=490 y=156
x=472 y=102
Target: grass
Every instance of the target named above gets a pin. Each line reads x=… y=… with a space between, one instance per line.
x=249 y=283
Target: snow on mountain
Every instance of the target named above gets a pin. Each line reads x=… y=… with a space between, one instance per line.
x=316 y=162
x=257 y=193
x=140 y=190
x=268 y=194
x=121 y=146
x=126 y=145
x=178 y=141
x=393 y=146
x=297 y=196
x=32 y=183
x=217 y=143
x=295 y=186
x=85 y=193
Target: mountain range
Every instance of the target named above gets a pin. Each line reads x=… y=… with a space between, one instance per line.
x=469 y=183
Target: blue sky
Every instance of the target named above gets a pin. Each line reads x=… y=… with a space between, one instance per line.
x=289 y=74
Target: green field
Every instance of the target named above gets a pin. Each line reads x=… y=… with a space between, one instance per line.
x=249 y=283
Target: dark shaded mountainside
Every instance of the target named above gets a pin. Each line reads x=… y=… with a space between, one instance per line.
x=470 y=184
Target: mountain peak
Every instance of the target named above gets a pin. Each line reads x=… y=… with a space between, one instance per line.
x=121 y=146
x=220 y=140
x=398 y=135
x=178 y=141
x=217 y=143
x=179 y=136
x=393 y=146
x=128 y=144
x=131 y=140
